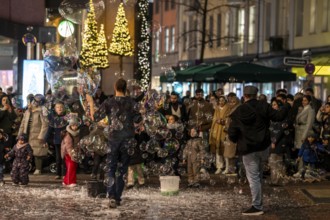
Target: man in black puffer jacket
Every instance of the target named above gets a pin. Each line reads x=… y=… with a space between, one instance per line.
x=250 y=130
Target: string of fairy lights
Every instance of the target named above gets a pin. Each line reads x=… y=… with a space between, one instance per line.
x=144 y=45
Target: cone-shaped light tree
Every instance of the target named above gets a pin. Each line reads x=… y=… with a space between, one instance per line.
x=89 y=48
x=102 y=50
x=121 y=40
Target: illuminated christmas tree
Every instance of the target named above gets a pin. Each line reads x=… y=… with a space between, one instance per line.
x=121 y=39
x=102 y=50
x=88 y=54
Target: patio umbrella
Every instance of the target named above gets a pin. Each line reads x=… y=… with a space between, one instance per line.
x=249 y=72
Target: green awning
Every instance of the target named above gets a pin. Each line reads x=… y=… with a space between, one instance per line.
x=208 y=73
x=248 y=72
x=163 y=78
x=188 y=74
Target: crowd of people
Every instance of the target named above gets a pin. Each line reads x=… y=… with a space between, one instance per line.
x=141 y=133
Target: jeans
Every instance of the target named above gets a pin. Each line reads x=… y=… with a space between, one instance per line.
x=253 y=163
x=59 y=161
x=118 y=162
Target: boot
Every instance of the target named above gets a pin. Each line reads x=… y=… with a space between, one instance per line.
x=227 y=166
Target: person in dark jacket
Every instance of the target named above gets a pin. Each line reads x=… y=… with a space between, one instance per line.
x=250 y=130
x=121 y=114
x=57 y=123
x=7 y=118
x=175 y=108
x=280 y=139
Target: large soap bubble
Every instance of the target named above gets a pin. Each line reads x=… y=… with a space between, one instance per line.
x=75 y=10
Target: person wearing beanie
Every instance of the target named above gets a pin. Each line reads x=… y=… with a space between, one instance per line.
x=250 y=130
x=22 y=154
x=69 y=147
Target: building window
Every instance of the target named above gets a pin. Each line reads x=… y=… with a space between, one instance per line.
x=312 y=17
x=157 y=47
x=219 y=31
x=299 y=17
x=227 y=28
x=241 y=24
x=267 y=21
x=184 y=48
x=252 y=23
x=157 y=6
x=325 y=15
x=167 y=5
x=167 y=40
x=195 y=34
x=173 y=4
x=172 y=39
x=211 y=32
x=192 y=31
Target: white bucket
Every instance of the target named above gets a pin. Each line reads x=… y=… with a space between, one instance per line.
x=169 y=185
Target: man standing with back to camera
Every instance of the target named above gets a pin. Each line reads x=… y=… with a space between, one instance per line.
x=250 y=130
x=121 y=114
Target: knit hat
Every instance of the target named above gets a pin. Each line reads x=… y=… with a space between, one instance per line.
x=23 y=137
x=311 y=134
x=74 y=120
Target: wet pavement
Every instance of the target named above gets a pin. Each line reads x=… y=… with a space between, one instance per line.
x=218 y=198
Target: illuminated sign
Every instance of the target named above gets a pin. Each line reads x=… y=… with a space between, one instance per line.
x=33 y=78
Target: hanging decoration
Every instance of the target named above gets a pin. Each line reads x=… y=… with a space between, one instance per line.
x=144 y=45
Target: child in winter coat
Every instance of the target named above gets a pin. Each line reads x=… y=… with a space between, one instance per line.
x=308 y=153
x=23 y=153
x=68 y=146
x=57 y=124
x=193 y=156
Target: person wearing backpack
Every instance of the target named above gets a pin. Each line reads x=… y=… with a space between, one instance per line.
x=250 y=130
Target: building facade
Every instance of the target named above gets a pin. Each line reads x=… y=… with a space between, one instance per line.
x=257 y=31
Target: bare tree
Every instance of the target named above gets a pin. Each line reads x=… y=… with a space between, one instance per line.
x=201 y=9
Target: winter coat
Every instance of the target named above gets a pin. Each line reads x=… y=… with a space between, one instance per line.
x=20 y=154
x=181 y=112
x=7 y=120
x=324 y=119
x=200 y=115
x=303 y=125
x=280 y=136
x=121 y=113
x=57 y=124
x=230 y=147
x=194 y=150
x=308 y=152
x=36 y=131
x=217 y=133
x=69 y=142
x=250 y=125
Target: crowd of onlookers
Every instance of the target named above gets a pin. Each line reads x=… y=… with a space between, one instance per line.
x=299 y=144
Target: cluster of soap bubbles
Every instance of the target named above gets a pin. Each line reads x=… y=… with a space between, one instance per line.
x=76 y=10
x=94 y=144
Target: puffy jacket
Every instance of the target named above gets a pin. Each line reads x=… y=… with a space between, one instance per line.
x=250 y=125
